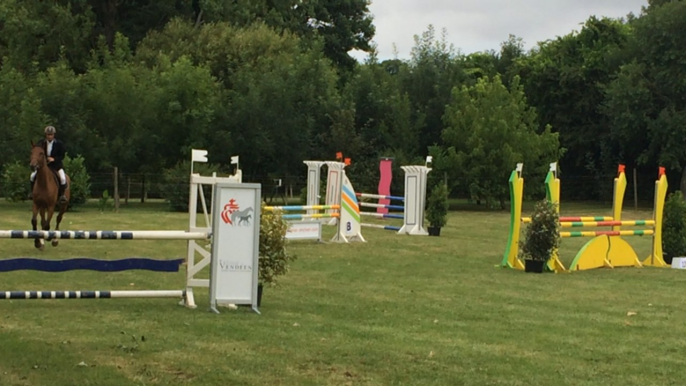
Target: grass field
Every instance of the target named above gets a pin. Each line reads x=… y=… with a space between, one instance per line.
x=396 y=310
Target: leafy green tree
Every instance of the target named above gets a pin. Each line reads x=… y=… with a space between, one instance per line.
x=20 y=114
x=564 y=80
x=341 y=25
x=488 y=131
x=433 y=71
x=37 y=34
x=646 y=103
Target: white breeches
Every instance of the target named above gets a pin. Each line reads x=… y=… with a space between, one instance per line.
x=63 y=177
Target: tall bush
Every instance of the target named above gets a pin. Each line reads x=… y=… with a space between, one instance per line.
x=274 y=258
x=674 y=227
x=80 y=179
x=15 y=181
x=542 y=236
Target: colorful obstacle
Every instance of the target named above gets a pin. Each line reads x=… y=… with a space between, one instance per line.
x=228 y=242
x=304 y=226
x=339 y=191
x=606 y=248
x=383 y=207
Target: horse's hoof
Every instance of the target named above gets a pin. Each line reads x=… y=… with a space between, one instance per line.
x=55 y=242
x=36 y=243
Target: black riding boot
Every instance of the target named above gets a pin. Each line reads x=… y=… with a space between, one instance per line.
x=60 y=194
x=31 y=190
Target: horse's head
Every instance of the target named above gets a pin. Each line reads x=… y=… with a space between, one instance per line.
x=38 y=157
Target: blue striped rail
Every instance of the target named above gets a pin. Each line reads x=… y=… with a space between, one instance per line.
x=382 y=215
x=105 y=235
x=380 y=196
x=20 y=295
x=370 y=205
x=378 y=226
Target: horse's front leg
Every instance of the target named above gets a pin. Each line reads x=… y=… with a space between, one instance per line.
x=34 y=223
x=51 y=212
x=42 y=224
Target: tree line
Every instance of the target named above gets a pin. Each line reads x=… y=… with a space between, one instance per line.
x=137 y=84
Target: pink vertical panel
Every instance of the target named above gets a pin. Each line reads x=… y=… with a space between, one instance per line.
x=386 y=175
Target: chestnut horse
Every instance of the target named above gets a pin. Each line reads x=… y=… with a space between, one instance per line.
x=45 y=191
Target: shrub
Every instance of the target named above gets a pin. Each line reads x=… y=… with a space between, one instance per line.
x=274 y=259
x=542 y=236
x=437 y=206
x=674 y=227
x=80 y=180
x=104 y=202
x=15 y=182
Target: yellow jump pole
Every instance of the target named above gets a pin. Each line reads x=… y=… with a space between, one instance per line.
x=656 y=258
x=618 y=197
x=510 y=259
x=552 y=188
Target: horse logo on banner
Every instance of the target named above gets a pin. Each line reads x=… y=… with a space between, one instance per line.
x=232 y=212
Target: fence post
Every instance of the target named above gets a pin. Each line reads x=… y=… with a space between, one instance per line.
x=116 y=189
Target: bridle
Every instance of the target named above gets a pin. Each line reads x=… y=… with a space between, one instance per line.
x=42 y=159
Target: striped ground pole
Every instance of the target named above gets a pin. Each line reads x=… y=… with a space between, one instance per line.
x=381 y=215
x=16 y=295
x=302 y=207
x=370 y=205
x=380 y=196
x=306 y=216
x=378 y=226
x=527 y=220
x=105 y=235
x=598 y=218
x=647 y=232
x=576 y=224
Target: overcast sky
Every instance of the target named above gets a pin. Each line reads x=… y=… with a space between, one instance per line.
x=479 y=25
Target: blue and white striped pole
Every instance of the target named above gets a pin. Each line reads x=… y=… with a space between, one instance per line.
x=386 y=227
x=105 y=235
x=370 y=205
x=380 y=196
x=382 y=215
x=17 y=295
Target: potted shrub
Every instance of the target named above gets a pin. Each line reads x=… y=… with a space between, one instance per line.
x=542 y=236
x=274 y=259
x=674 y=227
x=437 y=209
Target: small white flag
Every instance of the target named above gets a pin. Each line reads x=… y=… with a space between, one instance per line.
x=199 y=155
x=234 y=160
x=429 y=159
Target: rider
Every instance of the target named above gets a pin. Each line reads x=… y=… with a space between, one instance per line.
x=55 y=153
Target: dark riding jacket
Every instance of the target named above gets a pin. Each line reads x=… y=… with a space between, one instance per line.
x=58 y=152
